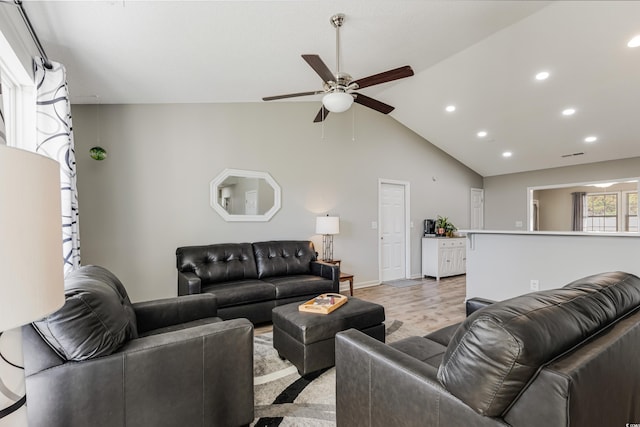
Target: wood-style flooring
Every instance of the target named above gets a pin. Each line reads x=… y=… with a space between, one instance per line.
x=427 y=306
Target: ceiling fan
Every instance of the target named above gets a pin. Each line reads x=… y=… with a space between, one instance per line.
x=339 y=88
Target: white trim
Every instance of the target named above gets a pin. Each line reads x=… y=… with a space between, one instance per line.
x=407 y=226
x=19 y=99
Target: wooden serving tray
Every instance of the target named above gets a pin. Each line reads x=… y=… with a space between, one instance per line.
x=322 y=304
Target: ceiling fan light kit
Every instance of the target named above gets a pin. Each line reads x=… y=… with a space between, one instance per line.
x=337 y=102
x=339 y=88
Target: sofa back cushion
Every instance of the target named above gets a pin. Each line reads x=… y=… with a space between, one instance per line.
x=497 y=350
x=284 y=257
x=218 y=263
x=96 y=318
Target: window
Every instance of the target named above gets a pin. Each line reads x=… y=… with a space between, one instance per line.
x=601 y=213
x=631 y=211
x=18 y=99
x=611 y=212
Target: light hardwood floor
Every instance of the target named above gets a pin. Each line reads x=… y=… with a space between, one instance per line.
x=427 y=306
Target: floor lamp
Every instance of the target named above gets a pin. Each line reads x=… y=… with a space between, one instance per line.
x=327 y=226
x=32 y=284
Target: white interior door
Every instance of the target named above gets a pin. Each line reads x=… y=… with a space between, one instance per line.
x=392 y=231
x=477 y=209
x=251 y=202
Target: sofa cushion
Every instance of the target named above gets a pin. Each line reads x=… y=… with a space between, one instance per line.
x=283 y=257
x=443 y=335
x=423 y=349
x=241 y=292
x=218 y=263
x=299 y=285
x=96 y=318
x=498 y=349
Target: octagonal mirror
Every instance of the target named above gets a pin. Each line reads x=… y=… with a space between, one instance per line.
x=243 y=195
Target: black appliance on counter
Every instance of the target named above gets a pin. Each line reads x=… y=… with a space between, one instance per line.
x=429 y=228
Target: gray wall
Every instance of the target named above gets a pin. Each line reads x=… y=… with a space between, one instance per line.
x=505 y=196
x=151 y=194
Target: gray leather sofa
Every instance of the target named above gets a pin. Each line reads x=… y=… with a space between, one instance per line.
x=250 y=279
x=563 y=357
x=101 y=361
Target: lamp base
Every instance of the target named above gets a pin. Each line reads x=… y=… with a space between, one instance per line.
x=327 y=247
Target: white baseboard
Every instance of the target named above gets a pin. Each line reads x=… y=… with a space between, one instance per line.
x=344 y=286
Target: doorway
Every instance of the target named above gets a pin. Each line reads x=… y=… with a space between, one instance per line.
x=393 y=232
x=251 y=202
x=477 y=209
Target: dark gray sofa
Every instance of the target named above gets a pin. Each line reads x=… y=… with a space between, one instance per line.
x=250 y=279
x=563 y=357
x=101 y=361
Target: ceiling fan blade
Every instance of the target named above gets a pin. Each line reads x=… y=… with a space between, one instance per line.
x=387 y=76
x=319 y=67
x=322 y=114
x=373 y=103
x=292 y=95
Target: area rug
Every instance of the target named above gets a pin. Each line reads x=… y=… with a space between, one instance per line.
x=403 y=283
x=283 y=398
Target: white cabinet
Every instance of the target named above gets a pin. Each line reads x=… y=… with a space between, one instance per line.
x=442 y=257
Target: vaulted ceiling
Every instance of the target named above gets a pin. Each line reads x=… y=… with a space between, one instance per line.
x=479 y=56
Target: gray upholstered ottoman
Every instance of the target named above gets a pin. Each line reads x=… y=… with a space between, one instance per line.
x=308 y=339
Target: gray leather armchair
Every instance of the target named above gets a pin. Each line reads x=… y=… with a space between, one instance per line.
x=102 y=361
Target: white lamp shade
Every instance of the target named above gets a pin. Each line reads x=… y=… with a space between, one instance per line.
x=226 y=192
x=327 y=225
x=31 y=238
x=337 y=102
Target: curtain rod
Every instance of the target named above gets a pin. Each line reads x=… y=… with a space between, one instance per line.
x=33 y=34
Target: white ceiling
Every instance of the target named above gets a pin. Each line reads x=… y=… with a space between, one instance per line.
x=479 y=55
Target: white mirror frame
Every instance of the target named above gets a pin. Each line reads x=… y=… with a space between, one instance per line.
x=217 y=181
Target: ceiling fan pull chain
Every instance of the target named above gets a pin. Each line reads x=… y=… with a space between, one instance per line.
x=353 y=124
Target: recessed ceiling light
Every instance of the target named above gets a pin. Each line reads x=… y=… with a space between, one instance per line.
x=482 y=134
x=542 y=75
x=591 y=139
x=568 y=111
x=451 y=108
x=507 y=154
x=634 y=42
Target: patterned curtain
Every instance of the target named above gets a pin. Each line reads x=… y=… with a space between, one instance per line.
x=55 y=140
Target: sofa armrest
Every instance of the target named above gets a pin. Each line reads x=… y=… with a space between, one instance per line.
x=378 y=385
x=188 y=283
x=328 y=271
x=172 y=311
x=475 y=304
x=197 y=376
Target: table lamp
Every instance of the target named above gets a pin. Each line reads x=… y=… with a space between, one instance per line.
x=32 y=284
x=327 y=226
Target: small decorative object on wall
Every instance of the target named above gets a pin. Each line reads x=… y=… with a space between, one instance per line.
x=444 y=227
x=98 y=153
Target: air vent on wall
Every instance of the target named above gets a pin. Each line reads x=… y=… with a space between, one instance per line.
x=572 y=155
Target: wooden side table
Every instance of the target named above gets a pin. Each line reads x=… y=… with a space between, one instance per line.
x=344 y=277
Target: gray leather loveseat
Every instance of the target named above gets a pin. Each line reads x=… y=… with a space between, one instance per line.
x=250 y=279
x=562 y=357
x=101 y=361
